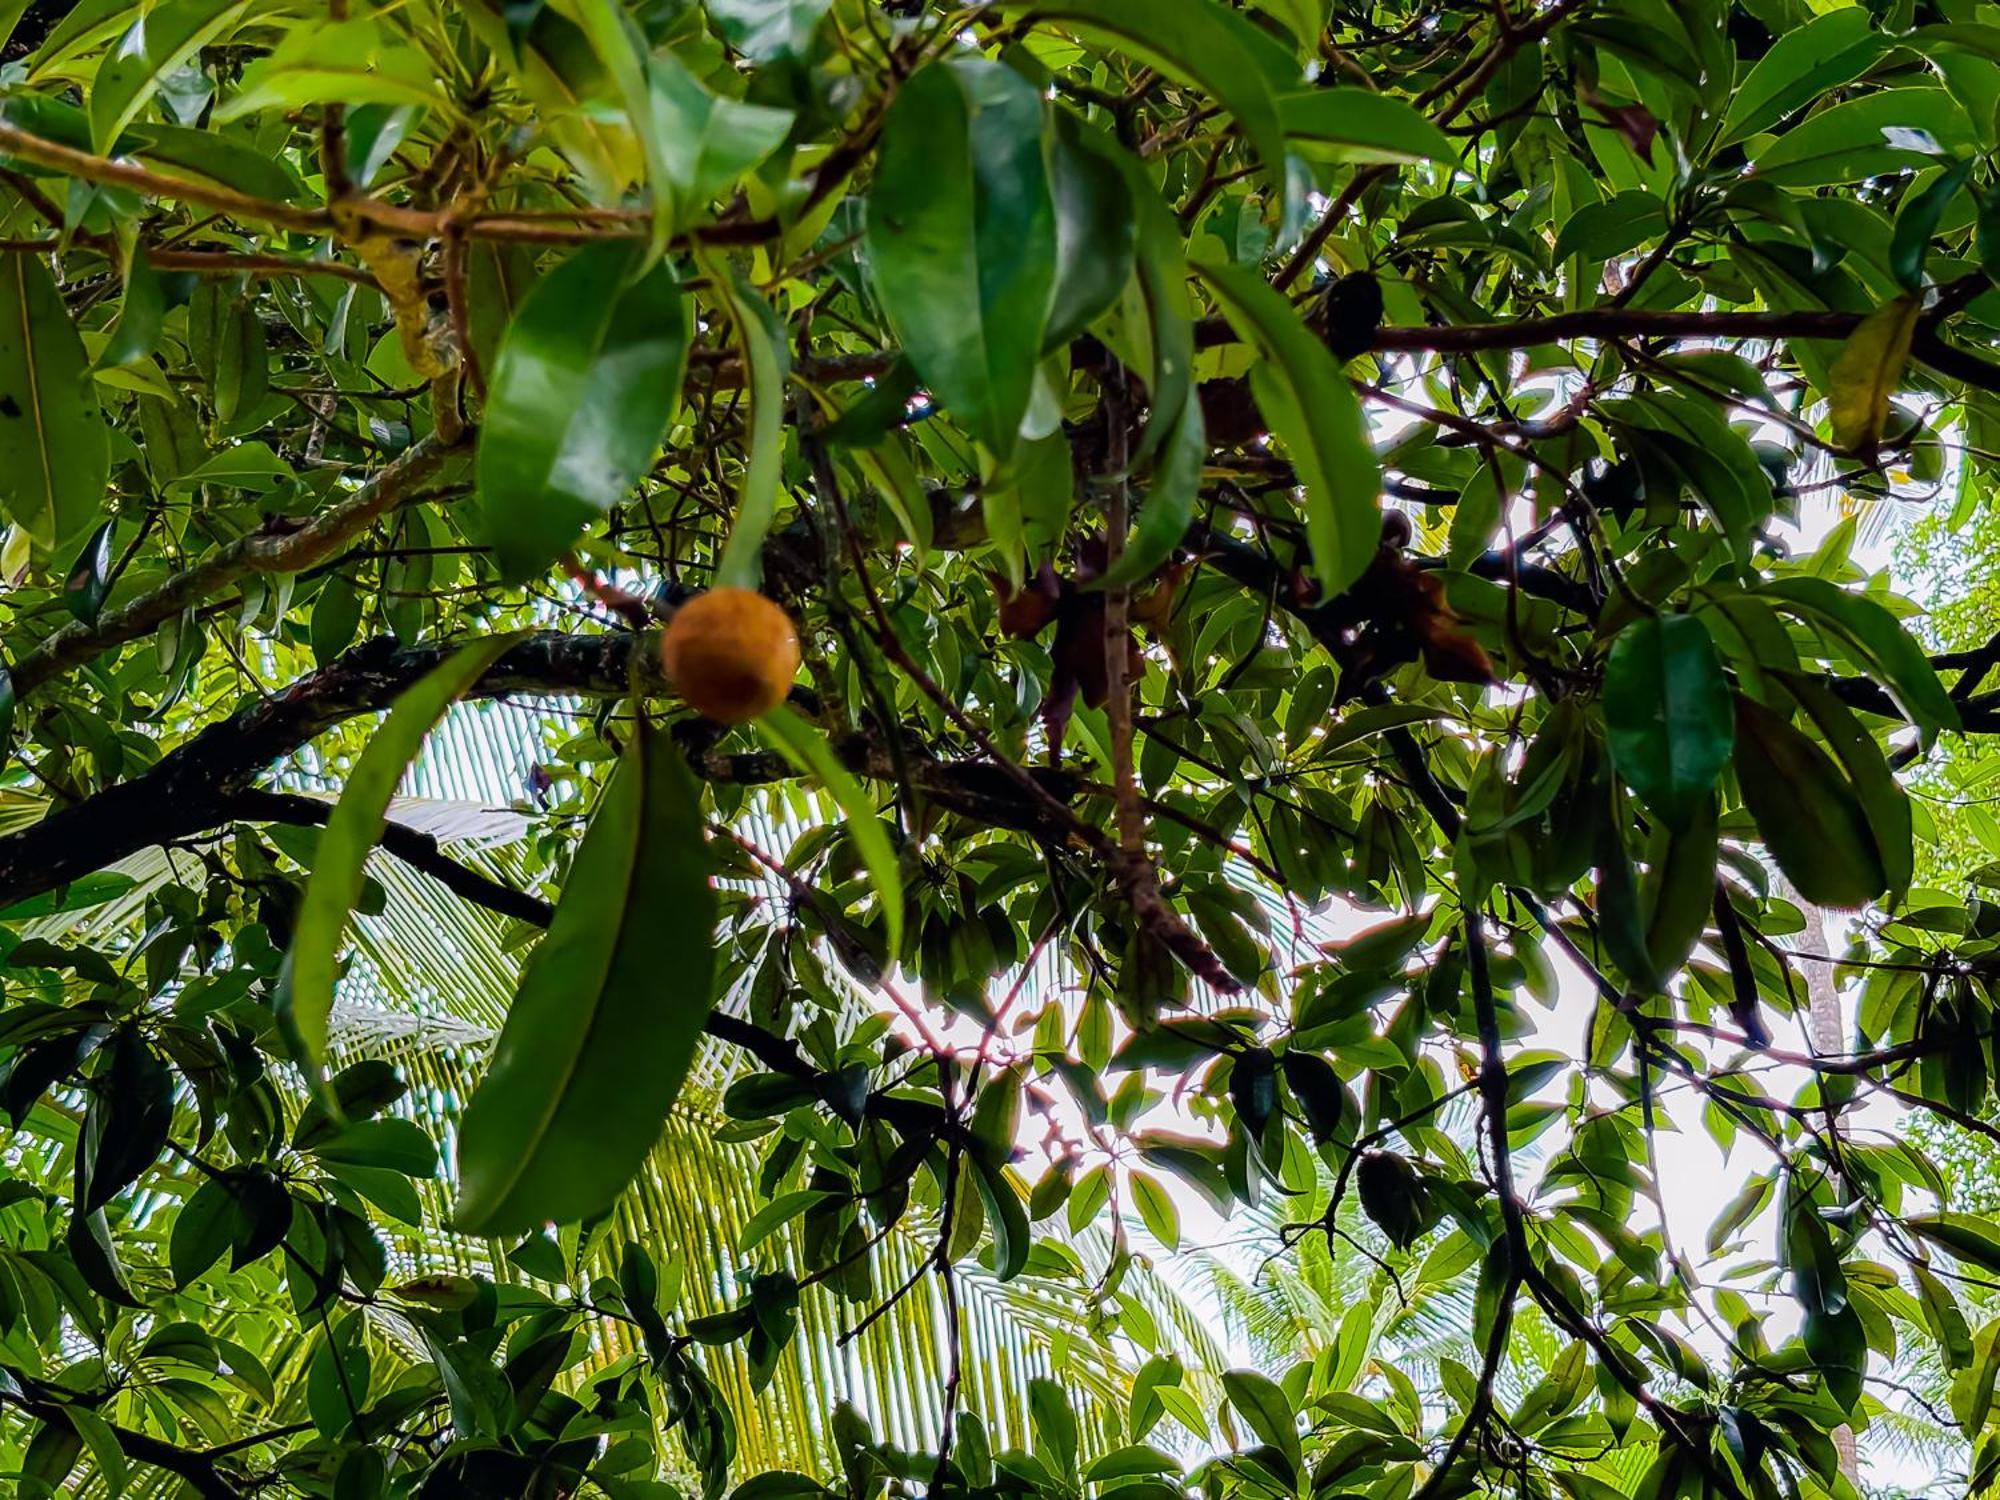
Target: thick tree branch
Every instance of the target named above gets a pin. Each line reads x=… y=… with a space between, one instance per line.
x=198 y=786
x=263 y=551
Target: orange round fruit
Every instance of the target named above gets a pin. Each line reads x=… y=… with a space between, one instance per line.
x=731 y=653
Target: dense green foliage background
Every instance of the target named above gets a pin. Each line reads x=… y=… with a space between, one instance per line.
x=1226 y=464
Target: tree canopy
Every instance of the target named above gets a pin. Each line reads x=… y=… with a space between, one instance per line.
x=991 y=522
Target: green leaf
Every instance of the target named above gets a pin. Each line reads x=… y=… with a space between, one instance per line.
x=741 y=563
x=1865 y=137
x=127 y=1125
x=391 y=1145
x=1095 y=228
x=1311 y=407
x=243 y=1212
x=356 y=62
x=137 y=332
x=1971 y=1238
x=806 y=748
x=1917 y=222
x=55 y=454
x=105 y=1450
x=1006 y=1216
x=1156 y=1209
x=1266 y=1410
x=1167 y=508
x=1867 y=372
x=1162 y=280
x=961 y=239
x=339 y=865
x=587 y=377
x=159 y=41
x=90 y=577
x=768 y=30
x=774 y=1215
x=1360 y=125
x=1807 y=814
x=220 y=158
x=1801 y=66
x=1206 y=43
x=1667 y=717
x=1883 y=801
x=614 y=37
x=608 y=1014
x=706 y=142
x=1878 y=642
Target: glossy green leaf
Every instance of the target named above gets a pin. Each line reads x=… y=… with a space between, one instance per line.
x=1667 y=716
x=1917 y=221
x=1267 y=1411
x=1806 y=812
x=961 y=237
x=137 y=332
x=1355 y=124
x=608 y=1014
x=1243 y=68
x=352 y=830
x=1803 y=65
x=706 y=142
x=1312 y=409
x=1095 y=228
x=54 y=451
x=741 y=563
x=89 y=577
x=587 y=377
x=1166 y=508
x=1878 y=642
x=1863 y=137
x=159 y=41
x=806 y=748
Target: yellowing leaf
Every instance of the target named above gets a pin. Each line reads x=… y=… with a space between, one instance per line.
x=1867 y=371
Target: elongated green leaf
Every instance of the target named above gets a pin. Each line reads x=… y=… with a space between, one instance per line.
x=1357 y=124
x=1162 y=279
x=1266 y=1410
x=356 y=62
x=1807 y=813
x=1005 y=1216
x=159 y=41
x=961 y=238
x=706 y=142
x=741 y=563
x=1095 y=229
x=1801 y=66
x=1667 y=717
x=1866 y=136
x=90 y=576
x=1206 y=43
x=1156 y=1209
x=1310 y=405
x=55 y=454
x=1969 y=1237
x=587 y=377
x=1883 y=800
x=222 y=158
x=806 y=748
x=1878 y=640
x=351 y=832
x=614 y=37
x=137 y=331
x=1917 y=221
x=1167 y=508
x=608 y=1014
